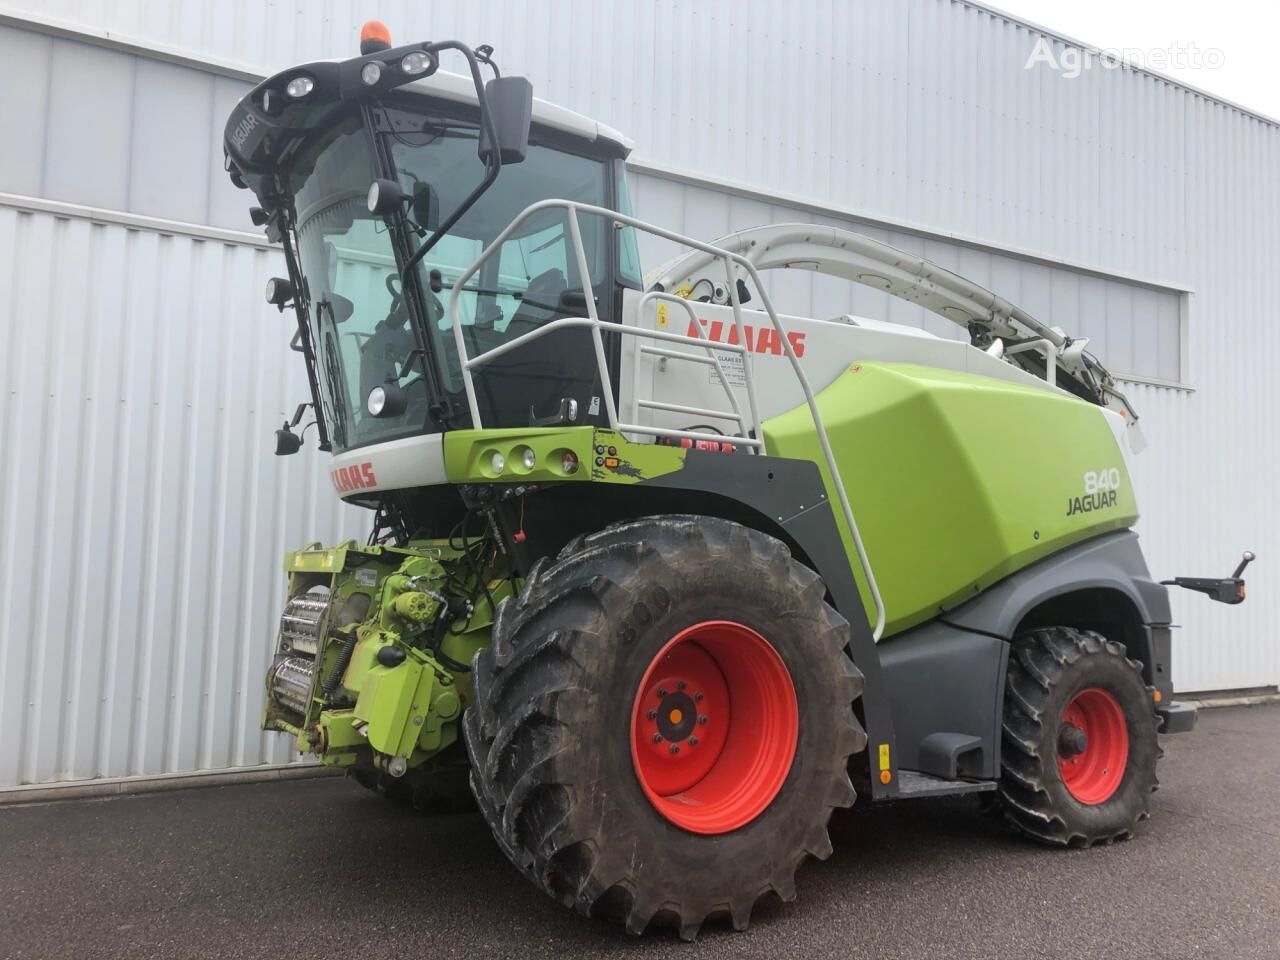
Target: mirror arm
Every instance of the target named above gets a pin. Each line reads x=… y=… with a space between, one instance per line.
x=494 y=163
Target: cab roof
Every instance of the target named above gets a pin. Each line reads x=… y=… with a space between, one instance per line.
x=270 y=125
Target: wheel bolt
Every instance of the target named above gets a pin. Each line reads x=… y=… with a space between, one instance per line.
x=653 y=714
x=697 y=698
x=675 y=748
x=703 y=718
x=662 y=691
x=680 y=684
x=693 y=741
x=657 y=738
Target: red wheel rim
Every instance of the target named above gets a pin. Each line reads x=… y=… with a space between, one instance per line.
x=714 y=727
x=1093 y=746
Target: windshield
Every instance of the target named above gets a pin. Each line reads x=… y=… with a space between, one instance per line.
x=360 y=328
x=533 y=279
x=363 y=330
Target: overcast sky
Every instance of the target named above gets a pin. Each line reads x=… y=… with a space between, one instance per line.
x=1242 y=35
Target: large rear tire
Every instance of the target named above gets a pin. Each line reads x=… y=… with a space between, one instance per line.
x=1079 y=747
x=663 y=723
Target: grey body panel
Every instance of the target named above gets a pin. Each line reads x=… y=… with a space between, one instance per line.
x=946 y=677
x=944 y=680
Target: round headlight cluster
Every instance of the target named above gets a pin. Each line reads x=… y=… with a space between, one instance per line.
x=497 y=463
x=371 y=73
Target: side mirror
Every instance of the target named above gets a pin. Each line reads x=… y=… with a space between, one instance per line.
x=510 y=101
x=339 y=307
x=426 y=206
x=385 y=197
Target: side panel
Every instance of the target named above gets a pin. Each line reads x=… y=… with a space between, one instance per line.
x=946 y=681
x=958 y=480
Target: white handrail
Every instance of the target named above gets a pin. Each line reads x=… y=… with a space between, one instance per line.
x=593 y=322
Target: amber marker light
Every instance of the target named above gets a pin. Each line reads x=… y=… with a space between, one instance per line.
x=374 y=36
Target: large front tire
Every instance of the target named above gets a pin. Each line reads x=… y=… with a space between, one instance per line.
x=597 y=780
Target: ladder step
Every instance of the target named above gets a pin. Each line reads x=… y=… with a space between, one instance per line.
x=913 y=785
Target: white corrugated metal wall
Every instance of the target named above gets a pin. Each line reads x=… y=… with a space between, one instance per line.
x=141 y=514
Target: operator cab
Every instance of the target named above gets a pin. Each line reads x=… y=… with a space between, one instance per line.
x=378 y=177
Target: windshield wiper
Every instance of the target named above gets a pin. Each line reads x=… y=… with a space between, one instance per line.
x=333 y=380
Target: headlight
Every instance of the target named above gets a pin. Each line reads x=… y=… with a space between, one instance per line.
x=498 y=462
x=299 y=87
x=371 y=73
x=416 y=63
x=386 y=400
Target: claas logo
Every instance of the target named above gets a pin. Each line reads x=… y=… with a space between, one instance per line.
x=762 y=340
x=359 y=477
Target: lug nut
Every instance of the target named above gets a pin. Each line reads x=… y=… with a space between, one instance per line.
x=675 y=748
x=657 y=738
x=680 y=684
x=653 y=714
x=662 y=691
x=702 y=718
x=697 y=698
x=693 y=741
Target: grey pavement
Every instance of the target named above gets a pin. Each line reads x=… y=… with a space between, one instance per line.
x=320 y=868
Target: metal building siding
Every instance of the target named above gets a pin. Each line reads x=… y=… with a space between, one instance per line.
x=1134 y=326
x=144 y=517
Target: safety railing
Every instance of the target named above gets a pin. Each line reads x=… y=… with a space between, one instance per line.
x=750 y=429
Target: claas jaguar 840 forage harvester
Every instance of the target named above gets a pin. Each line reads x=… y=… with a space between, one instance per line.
x=659 y=578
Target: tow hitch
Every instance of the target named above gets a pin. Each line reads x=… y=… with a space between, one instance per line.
x=1227 y=590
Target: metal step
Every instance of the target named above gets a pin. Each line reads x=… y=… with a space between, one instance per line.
x=913 y=785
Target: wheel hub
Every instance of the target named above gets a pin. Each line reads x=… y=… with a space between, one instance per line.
x=676 y=717
x=1072 y=741
x=1093 y=746
x=714 y=727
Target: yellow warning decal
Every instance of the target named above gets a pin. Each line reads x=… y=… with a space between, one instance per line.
x=884 y=756
x=662 y=314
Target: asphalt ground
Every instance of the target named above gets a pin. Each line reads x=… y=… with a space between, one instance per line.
x=320 y=868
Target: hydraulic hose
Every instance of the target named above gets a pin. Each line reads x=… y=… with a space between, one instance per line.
x=334 y=676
